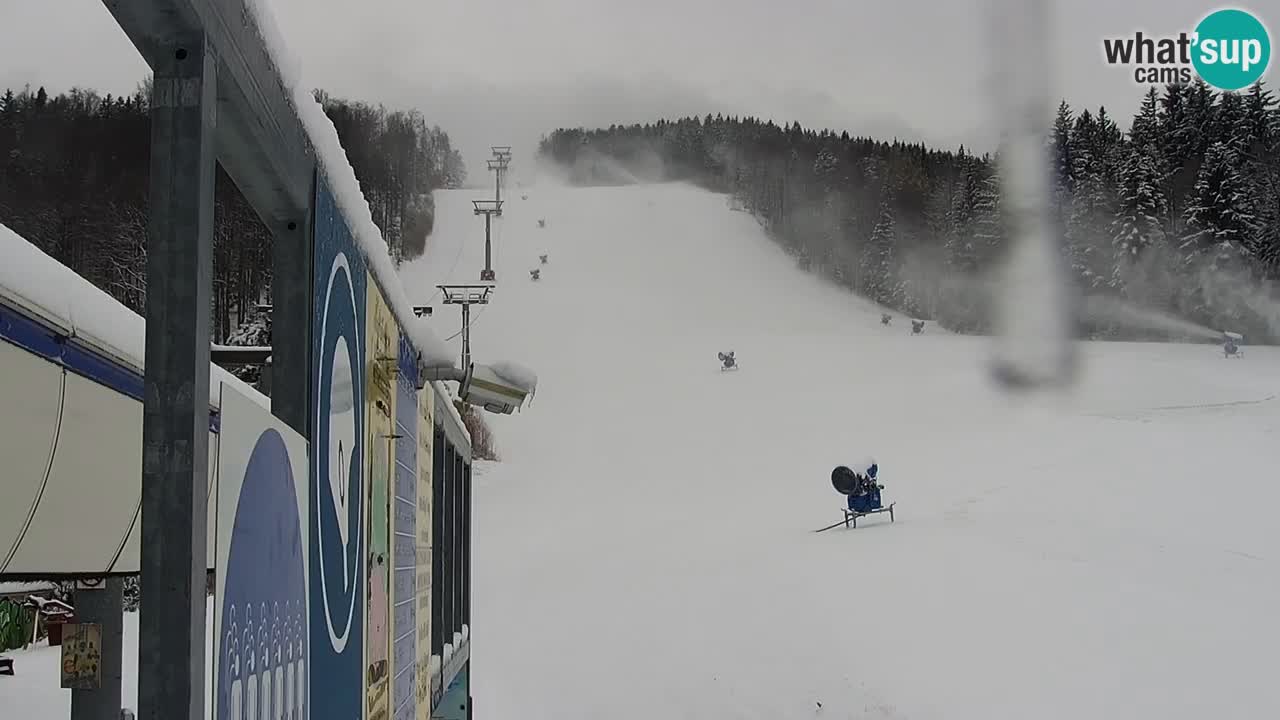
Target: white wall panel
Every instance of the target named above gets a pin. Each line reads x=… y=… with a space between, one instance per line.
x=30 y=401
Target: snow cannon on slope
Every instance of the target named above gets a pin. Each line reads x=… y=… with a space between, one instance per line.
x=861 y=488
x=535 y=274
x=542 y=222
x=917 y=327
x=728 y=361
x=542 y=259
x=885 y=318
x=1231 y=344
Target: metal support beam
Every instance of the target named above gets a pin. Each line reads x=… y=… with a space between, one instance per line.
x=291 y=281
x=103 y=605
x=260 y=141
x=488 y=274
x=466 y=336
x=175 y=417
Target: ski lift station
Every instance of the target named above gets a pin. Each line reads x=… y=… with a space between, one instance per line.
x=332 y=519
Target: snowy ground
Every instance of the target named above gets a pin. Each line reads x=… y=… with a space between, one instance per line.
x=645 y=549
x=33 y=693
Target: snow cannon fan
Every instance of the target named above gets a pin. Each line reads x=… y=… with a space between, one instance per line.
x=543 y=259
x=885 y=318
x=1231 y=343
x=844 y=480
x=535 y=274
x=728 y=361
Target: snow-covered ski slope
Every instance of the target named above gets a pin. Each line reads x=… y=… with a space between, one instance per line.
x=645 y=548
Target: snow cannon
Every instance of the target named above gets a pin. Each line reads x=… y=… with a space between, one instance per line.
x=917 y=327
x=1231 y=343
x=542 y=223
x=848 y=481
x=861 y=491
x=728 y=360
x=535 y=274
x=885 y=318
x=543 y=259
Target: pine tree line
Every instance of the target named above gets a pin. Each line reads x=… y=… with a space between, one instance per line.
x=1181 y=214
x=74 y=172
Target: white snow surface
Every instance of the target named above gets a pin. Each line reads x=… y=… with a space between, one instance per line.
x=346 y=188
x=646 y=543
x=33 y=692
x=51 y=289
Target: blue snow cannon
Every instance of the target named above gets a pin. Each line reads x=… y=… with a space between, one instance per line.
x=862 y=490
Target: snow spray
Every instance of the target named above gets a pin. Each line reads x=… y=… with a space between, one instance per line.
x=1034 y=309
x=1130 y=315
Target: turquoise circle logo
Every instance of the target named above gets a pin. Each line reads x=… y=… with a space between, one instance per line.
x=1232 y=49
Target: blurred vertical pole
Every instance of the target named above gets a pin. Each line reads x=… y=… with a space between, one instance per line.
x=1035 y=319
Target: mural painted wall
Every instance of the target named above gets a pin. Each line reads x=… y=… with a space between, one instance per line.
x=426 y=428
x=381 y=364
x=404 y=539
x=261 y=587
x=336 y=491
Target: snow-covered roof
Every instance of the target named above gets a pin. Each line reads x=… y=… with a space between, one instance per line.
x=346 y=190
x=516 y=374
x=24 y=588
x=54 y=294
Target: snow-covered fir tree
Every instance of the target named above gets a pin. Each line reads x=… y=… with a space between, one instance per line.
x=1220 y=221
x=1220 y=218
x=1088 y=231
x=962 y=255
x=1141 y=207
x=1060 y=156
x=988 y=224
x=1145 y=129
x=880 y=258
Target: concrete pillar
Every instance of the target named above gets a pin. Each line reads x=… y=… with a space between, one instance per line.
x=105 y=606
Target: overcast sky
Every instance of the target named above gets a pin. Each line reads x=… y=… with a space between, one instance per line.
x=494 y=72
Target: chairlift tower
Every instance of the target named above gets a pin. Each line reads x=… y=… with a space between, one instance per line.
x=488 y=208
x=466 y=296
x=498 y=165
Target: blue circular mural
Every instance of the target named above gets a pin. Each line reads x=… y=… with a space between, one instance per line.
x=338 y=455
x=263 y=641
